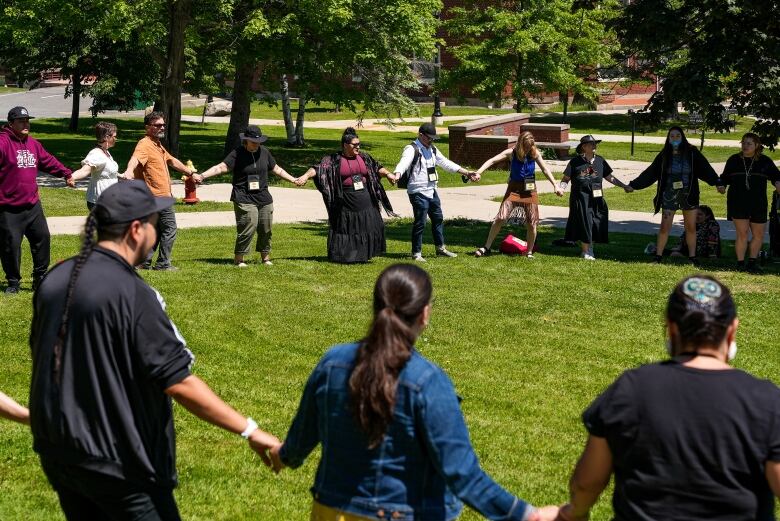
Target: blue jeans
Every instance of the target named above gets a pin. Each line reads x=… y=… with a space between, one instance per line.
x=423 y=207
x=166 y=235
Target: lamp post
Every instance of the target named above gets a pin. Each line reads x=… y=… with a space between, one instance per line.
x=436 y=117
x=632 y=113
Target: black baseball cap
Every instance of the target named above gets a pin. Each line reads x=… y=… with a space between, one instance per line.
x=18 y=113
x=127 y=201
x=429 y=130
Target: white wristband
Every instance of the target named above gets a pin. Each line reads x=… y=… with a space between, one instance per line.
x=251 y=426
x=563 y=185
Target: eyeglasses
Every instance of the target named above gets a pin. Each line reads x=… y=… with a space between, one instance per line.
x=355 y=145
x=158 y=125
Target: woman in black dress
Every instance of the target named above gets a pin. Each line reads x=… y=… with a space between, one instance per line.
x=676 y=170
x=588 y=213
x=351 y=189
x=746 y=174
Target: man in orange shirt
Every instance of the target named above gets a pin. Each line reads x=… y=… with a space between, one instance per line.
x=149 y=163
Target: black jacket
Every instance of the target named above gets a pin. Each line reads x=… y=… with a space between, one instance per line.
x=658 y=172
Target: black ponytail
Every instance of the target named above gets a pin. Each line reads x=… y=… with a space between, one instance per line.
x=400 y=294
x=87 y=245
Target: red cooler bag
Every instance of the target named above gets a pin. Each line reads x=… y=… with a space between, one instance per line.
x=511 y=245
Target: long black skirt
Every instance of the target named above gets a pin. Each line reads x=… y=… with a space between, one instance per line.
x=588 y=218
x=357 y=232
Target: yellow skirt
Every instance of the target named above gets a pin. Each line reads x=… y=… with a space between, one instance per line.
x=320 y=512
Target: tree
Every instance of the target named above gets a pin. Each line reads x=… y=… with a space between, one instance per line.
x=79 y=38
x=325 y=44
x=711 y=52
x=533 y=46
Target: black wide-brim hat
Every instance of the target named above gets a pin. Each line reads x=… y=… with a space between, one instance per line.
x=253 y=134
x=587 y=138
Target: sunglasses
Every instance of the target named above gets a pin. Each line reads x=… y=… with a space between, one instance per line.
x=158 y=125
x=355 y=145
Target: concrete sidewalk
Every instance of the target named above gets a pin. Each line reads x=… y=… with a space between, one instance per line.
x=471 y=202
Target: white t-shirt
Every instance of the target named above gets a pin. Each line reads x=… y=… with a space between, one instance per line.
x=104 y=172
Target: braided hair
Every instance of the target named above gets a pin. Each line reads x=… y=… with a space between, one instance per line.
x=87 y=245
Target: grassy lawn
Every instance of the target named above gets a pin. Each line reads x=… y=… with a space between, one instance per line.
x=328 y=112
x=524 y=381
x=621 y=124
x=5 y=89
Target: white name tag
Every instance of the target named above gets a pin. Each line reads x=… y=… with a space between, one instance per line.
x=358 y=185
x=254 y=185
x=677 y=185
x=530 y=186
x=597 y=192
x=433 y=177
x=357 y=182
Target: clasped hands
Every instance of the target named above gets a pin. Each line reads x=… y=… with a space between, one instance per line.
x=267 y=446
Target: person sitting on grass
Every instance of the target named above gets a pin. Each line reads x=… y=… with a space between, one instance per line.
x=687 y=438
x=394 y=441
x=707 y=237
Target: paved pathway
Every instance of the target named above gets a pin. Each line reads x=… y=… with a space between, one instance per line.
x=471 y=202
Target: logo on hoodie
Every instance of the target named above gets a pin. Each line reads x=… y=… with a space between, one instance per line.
x=24 y=159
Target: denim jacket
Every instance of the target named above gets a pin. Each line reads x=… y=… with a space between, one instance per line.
x=420 y=469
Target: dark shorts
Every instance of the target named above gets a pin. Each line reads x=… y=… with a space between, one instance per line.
x=89 y=495
x=755 y=209
x=676 y=200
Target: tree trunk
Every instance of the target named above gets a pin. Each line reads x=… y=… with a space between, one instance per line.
x=242 y=102
x=563 y=97
x=173 y=72
x=299 y=139
x=519 y=94
x=75 y=103
x=284 y=89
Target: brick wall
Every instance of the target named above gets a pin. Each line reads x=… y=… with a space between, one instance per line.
x=548 y=132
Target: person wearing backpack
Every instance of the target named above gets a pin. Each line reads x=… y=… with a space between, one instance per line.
x=416 y=171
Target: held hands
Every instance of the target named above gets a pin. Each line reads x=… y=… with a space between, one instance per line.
x=300 y=181
x=392 y=178
x=628 y=189
x=70 y=182
x=566 y=513
x=276 y=460
x=558 y=191
x=475 y=176
x=262 y=443
x=198 y=178
x=548 y=513
x=721 y=189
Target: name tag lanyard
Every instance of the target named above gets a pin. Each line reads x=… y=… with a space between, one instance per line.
x=253 y=181
x=430 y=171
x=357 y=179
x=748 y=170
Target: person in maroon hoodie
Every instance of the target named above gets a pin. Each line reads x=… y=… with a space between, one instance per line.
x=21 y=213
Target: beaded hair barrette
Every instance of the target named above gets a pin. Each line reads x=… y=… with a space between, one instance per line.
x=702 y=291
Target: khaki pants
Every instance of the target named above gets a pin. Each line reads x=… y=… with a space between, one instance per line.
x=320 y=512
x=251 y=219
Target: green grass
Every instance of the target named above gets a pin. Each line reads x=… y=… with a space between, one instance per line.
x=328 y=112
x=528 y=345
x=5 y=89
x=621 y=124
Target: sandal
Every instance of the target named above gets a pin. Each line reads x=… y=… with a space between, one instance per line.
x=482 y=252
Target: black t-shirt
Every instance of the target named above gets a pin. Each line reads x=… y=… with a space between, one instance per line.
x=244 y=164
x=753 y=187
x=584 y=174
x=108 y=413
x=689 y=444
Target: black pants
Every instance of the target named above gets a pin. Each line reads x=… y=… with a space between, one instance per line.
x=89 y=495
x=19 y=222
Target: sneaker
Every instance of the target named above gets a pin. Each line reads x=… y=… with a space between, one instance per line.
x=587 y=256
x=529 y=255
x=658 y=259
x=12 y=290
x=144 y=266
x=268 y=262
x=165 y=268
x=444 y=252
x=240 y=264
x=417 y=257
